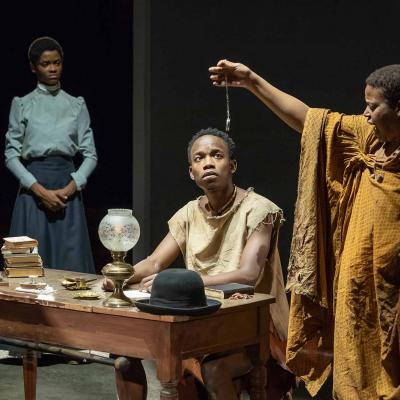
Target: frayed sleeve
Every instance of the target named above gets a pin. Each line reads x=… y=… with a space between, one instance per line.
x=178 y=227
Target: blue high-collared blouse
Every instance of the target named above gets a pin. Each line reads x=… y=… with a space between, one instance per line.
x=49 y=122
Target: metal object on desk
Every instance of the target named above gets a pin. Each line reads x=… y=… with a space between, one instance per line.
x=119 y=231
x=76 y=283
x=86 y=295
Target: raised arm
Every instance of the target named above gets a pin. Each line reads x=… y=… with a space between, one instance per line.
x=289 y=109
x=252 y=261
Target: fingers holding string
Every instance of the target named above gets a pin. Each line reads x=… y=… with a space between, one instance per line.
x=225 y=79
x=229 y=73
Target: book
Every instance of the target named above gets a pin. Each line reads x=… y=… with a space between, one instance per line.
x=17 y=262
x=23 y=272
x=18 y=250
x=228 y=289
x=22 y=258
x=19 y=241
x=23 y=265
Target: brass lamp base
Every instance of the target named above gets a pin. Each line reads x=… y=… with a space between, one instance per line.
x=118 y=271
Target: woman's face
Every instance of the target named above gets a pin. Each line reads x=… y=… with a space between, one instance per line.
x=379 y=113
x=49 y=67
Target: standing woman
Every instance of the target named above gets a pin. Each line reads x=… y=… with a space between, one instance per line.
x=47 y=128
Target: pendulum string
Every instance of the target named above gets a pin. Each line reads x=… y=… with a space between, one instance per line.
x=228 y=113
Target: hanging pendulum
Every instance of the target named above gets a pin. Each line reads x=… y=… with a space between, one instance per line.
x=228 y=113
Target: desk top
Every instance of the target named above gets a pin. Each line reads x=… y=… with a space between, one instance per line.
x=64 y=299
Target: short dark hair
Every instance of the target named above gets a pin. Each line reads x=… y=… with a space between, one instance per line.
x=388 y=79
x=214 y=132
x=40 y=45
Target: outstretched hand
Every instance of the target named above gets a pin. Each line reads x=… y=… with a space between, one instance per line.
x=231 y=73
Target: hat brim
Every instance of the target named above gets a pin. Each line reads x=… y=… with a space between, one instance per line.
x=144 y=305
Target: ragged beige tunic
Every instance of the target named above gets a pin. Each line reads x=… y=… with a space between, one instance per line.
x=214 y=244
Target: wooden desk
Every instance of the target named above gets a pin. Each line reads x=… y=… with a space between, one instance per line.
x=86 y=324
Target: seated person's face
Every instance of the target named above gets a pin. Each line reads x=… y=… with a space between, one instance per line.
x=211 y=166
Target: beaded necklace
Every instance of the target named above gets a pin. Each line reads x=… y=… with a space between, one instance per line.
x=221 y=210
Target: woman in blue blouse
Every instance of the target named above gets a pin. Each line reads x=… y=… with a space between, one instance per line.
x=47 y=128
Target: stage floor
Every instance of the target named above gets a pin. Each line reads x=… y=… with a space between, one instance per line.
x=58 y=380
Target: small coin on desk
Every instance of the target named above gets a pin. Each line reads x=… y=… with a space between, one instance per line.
x=73 y=286
x=87 y=295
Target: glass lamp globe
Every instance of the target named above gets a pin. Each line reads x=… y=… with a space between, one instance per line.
x=119 y=231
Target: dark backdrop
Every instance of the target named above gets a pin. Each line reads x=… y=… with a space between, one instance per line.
x=320 y=51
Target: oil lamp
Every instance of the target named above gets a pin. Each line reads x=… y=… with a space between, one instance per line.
x=119 y=231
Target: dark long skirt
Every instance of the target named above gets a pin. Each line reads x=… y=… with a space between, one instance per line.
x=62 y=235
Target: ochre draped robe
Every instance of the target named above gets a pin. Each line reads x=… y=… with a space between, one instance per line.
x=344 y=270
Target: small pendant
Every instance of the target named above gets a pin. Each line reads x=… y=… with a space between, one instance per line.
x=228 y=113
x=377 y=177
x=227 y=124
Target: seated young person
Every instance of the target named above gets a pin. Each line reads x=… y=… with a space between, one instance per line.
x=227 y=235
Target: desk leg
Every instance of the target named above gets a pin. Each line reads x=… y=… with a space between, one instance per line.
x=169 y=390
x=259 y=355
x=169 y=371
x=258 y=382
x=130 y=379
x=30 y=374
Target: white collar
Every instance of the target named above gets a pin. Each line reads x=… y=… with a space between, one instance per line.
x=53 y=89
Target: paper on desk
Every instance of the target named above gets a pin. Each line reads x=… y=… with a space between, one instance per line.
x=47 y=290
x=48 y=297
x=136 y=294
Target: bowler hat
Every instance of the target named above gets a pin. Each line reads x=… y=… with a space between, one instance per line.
x=178 y=291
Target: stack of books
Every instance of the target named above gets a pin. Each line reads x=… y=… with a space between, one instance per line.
x=21 y=258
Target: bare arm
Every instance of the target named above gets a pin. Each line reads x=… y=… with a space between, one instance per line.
x=146 y=270
x=252 y=261
x=162 y=257
x=289 y=109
